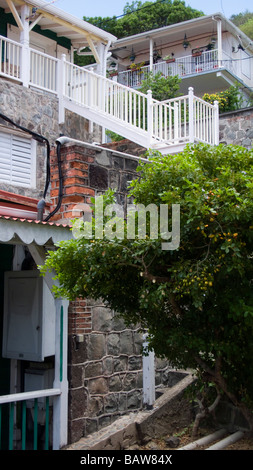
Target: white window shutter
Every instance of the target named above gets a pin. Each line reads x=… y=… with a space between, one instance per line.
x=16 y=160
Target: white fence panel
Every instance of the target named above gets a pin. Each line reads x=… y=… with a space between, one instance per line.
x=43 y=69
x=10 y=58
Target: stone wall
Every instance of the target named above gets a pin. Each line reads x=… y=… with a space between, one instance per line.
x=236 y=128
x=38 y=112
x=105 y=373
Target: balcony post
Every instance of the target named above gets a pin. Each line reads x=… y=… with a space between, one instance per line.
x=219 y=42
x=191 y=114
x=149 y=116
x=151 y=54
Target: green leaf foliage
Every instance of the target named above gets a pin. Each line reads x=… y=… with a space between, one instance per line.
x=196 y=301
x=139 y=17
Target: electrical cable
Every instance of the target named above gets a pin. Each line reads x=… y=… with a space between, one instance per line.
x=60 y=192
x=39 y=138
x=42 y=139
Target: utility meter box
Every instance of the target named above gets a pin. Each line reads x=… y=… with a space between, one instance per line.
x=29 y=317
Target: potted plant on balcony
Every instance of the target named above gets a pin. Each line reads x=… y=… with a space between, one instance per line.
x=196 y=52
x=169 y=58
x=112 y=73
x=135 y=67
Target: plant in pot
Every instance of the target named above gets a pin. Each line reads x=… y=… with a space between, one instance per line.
x=196 y=52
x=169 y=58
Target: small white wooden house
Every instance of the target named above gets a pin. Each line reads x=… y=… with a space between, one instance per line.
x=208 y=53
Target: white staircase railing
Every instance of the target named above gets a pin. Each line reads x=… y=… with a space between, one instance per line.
x=110 y=101
x=135 y=115
x=114 y=106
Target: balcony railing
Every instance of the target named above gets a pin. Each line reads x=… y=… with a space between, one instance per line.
x=182 y=66
x=10 y=58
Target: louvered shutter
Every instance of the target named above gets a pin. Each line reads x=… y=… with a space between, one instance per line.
x=16 y=165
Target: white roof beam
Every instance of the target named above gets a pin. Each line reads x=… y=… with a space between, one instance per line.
x=15 y=14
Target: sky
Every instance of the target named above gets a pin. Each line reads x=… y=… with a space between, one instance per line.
x=80 y=8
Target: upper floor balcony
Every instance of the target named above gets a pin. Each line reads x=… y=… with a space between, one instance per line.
x=207 y=53
x=205 y=71
x=189 y=65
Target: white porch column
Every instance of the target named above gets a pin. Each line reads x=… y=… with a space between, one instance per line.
x=219 y=42
x=24 y=40
x=151 y=50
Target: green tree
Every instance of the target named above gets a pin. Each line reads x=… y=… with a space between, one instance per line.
x=247 y=28
x=140 y=17
x=244 y=21
x=196 y=301
x=163 y=88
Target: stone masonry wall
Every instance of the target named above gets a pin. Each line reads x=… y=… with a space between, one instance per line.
x=236 y=128
x=38 y=112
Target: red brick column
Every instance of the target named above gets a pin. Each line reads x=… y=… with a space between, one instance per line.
x=75 y=166
x=79 y=318
x=75 y=171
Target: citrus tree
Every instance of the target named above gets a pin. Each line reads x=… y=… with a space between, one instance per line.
x=195 y=300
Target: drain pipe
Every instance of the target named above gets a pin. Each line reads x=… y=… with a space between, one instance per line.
x=59 y=142
x=205 y=440
x=227 y=441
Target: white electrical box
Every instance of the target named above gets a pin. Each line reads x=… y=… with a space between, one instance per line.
x=29 y=317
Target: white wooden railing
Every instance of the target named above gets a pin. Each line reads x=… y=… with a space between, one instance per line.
x=10 y=58
x=43 y=71
x=148 y=121
x=119 y=103
x=112 y=105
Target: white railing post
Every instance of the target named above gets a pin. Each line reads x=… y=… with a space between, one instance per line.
x=191 y=114
x=216 y=123
x=60 y=410
x=148 y=375
x=176 y=122
x=149 y=116
x=61 y=84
